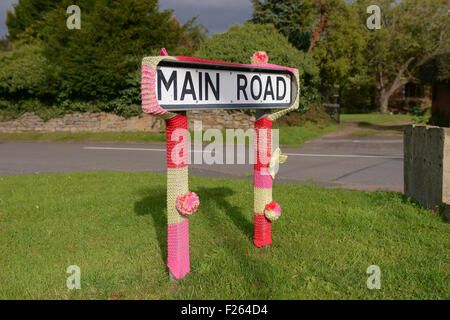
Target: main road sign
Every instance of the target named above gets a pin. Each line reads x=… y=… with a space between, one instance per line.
x=200 y=84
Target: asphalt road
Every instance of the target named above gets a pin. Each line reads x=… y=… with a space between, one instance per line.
x=364 y=163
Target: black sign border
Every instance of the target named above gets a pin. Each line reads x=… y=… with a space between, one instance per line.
x=227 y=67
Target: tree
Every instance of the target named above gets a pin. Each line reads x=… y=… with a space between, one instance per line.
x=316 y=34
x=340 y=52
x=293 y=18
x=25 y=23
x=95 y=62
x=22 y=72
x=239 y=43
x=411 y=31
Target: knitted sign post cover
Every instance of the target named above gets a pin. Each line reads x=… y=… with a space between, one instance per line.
x=181 y=203
x=262 y=181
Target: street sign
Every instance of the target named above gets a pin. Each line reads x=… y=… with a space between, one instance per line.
x=189 y=85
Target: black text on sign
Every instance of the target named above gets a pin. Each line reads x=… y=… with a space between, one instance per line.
x=182 y=88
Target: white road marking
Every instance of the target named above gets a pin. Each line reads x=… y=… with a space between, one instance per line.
x=124 y=149
x=288 y=154
x=353 y=141
x=343 y=155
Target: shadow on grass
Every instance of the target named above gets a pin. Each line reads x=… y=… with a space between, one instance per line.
x=219 y=195
x=214 y=208
x=154 y=204
x=247 y=262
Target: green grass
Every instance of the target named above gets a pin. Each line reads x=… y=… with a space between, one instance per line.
x=137 y=136
x=113 y=226
x=289 y=136
x=375 y=118
x=296 y=136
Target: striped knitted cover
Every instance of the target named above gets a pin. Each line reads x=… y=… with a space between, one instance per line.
x=262 y=181
x=177 y=165
x=177 y=184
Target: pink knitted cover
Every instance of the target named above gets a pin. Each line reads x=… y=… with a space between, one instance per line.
x=178 y=234
x=262 y=180
x=178 y=249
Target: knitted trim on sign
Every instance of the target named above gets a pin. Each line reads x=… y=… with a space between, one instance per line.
x=178 y=249
x=278 y=114
x=263 y=231
x=150 y=103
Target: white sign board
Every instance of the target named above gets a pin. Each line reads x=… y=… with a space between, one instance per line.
x=204 y=86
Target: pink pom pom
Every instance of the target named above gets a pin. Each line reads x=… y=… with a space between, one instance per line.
x=272 y=211
x=188 y=203
x=260 y=58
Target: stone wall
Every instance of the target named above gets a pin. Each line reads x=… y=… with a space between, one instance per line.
x=81 y=122
x=95 y=122
x=427 y=165
x=220 y=119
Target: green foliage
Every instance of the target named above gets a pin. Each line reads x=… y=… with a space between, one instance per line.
x=54 y=70
x=195 y=33
x=95 y=61
x=357 y=94
x=26 y=21
x=340 y=52
x=422 y=115
x=22 y=72
x=239 y=44
x=293 y=18
x=5 y=45
x=411 y=31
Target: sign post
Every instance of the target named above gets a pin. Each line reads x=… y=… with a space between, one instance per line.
x=173 y=85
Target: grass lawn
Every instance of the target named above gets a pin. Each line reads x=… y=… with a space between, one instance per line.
x=289 y=136
x=375 y=118
x=296 y=136
x=130 y=136
x=113 y=226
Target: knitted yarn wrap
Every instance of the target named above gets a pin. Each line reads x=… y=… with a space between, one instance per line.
x=188 y=203
x=272 y=211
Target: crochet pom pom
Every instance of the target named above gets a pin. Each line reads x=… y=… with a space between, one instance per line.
x=272 y=211
x=188 y=203
x=260 y=58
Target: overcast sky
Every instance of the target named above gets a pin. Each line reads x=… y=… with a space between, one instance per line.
x=215 y=15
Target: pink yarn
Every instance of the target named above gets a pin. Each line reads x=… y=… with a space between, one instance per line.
x=260 y=58
x=163 y=52
x=262 y=179
x=267 y=65
x=178 y=249
x=188 y=203
x=149 y=102
x=272 y=211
